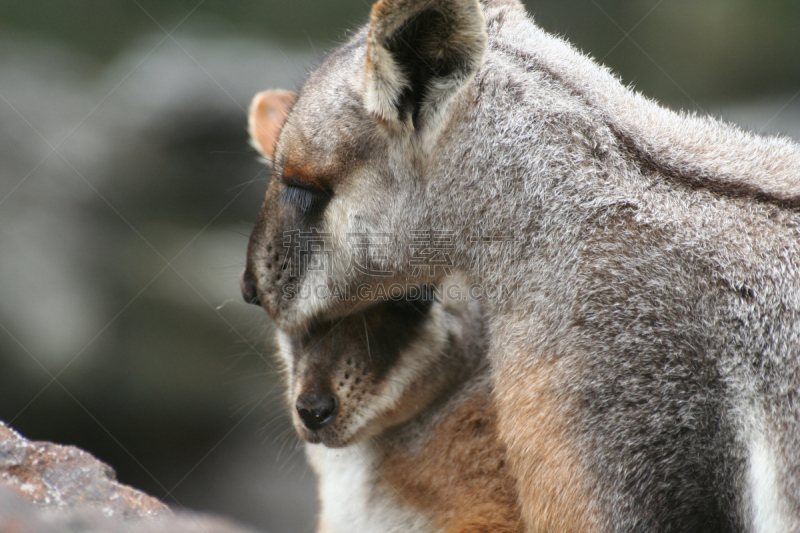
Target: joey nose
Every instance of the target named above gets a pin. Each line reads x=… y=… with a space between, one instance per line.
x=316 y=410
x=247 y=284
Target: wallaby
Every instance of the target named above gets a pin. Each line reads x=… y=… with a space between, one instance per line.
x=645 y=343
x=395 y=404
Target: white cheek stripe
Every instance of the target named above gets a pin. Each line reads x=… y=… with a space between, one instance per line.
x=285 y=350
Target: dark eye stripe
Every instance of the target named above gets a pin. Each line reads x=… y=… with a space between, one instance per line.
x=417 y=307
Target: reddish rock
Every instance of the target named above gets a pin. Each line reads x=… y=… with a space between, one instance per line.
x=55 y=477
x=49 y=488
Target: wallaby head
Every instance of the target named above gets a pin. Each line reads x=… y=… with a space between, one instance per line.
x=351 y=378
x=346 y=187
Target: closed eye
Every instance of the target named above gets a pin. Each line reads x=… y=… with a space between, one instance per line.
x=304 y=198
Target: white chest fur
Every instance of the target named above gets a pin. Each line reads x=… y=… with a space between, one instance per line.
x=355 y=499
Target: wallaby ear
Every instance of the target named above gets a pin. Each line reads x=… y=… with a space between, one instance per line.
x=420 y=53
x=268 y=112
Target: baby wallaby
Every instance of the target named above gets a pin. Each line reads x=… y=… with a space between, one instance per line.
x=395 y=404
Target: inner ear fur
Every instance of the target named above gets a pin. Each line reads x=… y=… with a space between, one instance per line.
x=268 y=112
x=420 y=54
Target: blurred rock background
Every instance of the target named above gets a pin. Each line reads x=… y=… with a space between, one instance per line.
x=128 y=190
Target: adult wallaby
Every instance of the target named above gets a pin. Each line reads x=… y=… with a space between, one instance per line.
x=395 y=403
x=646 y=348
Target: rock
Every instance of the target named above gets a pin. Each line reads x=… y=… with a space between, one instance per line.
x=55 y=477
x=49 y=488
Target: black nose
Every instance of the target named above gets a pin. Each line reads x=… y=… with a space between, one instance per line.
x=316 y=410
x=248 y=285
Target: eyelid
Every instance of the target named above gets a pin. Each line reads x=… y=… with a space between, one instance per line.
x=291 y=182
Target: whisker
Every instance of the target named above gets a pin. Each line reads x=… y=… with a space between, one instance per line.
x=366 y=331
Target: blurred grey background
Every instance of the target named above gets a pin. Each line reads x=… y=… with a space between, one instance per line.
x=128 y=190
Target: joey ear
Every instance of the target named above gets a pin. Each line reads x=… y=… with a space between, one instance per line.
x=420 y=53
x=268 y=112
